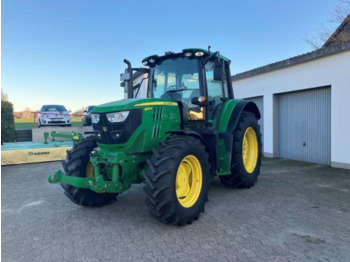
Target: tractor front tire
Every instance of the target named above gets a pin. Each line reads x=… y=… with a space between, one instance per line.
x=178 y=180
x=77 y=164
x=246 y=153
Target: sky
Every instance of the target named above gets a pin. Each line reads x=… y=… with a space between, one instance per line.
x=71 y=52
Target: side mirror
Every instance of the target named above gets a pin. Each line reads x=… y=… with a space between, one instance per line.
x=69 y=111
x=219 y=69
x=85 y=111
x=125 y=77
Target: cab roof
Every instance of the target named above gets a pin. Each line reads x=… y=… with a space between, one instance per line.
x=186 y=50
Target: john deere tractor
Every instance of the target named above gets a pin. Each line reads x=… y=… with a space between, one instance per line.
x=187 y=130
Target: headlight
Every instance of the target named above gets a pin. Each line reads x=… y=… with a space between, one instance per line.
x=47 y=116
x=95 y=118
x=199 y=53
x=117 y=116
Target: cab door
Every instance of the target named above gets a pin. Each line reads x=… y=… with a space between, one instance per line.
x=217 y=90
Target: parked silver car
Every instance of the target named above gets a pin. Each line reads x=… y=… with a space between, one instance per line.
x=54 y=115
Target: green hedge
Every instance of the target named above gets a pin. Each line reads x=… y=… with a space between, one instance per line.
x=7 y=122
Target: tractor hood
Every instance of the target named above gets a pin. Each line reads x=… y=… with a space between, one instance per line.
x=128 y=104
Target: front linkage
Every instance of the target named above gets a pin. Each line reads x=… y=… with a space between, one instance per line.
x=99 y=181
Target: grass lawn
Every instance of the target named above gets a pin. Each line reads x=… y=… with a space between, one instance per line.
x=28 y=123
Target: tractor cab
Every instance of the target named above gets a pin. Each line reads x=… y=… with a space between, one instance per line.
x=199 y=80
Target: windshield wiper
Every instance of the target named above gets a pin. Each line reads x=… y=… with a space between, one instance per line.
x=180 y=90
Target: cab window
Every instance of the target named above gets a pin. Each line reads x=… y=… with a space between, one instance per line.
x=216 y=89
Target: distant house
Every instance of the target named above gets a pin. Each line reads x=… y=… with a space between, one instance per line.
x=342 y=33
x=304 y=101
x=17 y=115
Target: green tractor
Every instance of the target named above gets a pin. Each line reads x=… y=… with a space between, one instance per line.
x=188 y=130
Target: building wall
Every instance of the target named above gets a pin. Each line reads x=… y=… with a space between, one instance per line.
x=327 y=71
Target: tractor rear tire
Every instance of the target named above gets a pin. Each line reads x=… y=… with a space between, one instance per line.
x=246 y=153
x=178 y=180
x=76 y=164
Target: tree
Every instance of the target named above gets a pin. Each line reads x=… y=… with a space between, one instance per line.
x=341 y=11
x=4 y=96
x=27 y=113
x=7 y=122
x=325 y=32
x=79 y=112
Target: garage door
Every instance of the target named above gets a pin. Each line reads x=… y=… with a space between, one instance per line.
x=259 y=102
x=305 y=125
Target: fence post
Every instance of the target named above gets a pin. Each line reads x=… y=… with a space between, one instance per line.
x=34 y=124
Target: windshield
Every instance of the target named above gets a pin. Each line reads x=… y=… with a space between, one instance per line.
x=52 y=108
x=178 y=79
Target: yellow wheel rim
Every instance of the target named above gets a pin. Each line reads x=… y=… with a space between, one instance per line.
x=188 y=181
x=90 y=173
x=250 y=150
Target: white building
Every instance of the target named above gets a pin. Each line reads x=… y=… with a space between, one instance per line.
x=305 y=104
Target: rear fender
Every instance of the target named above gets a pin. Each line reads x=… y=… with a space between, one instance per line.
x=231 y=112
x=227 y=123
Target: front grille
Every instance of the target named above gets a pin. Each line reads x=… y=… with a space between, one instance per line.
x=117 y=133
x=56 y=122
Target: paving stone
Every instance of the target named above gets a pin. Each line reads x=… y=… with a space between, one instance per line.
x=296 y=212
